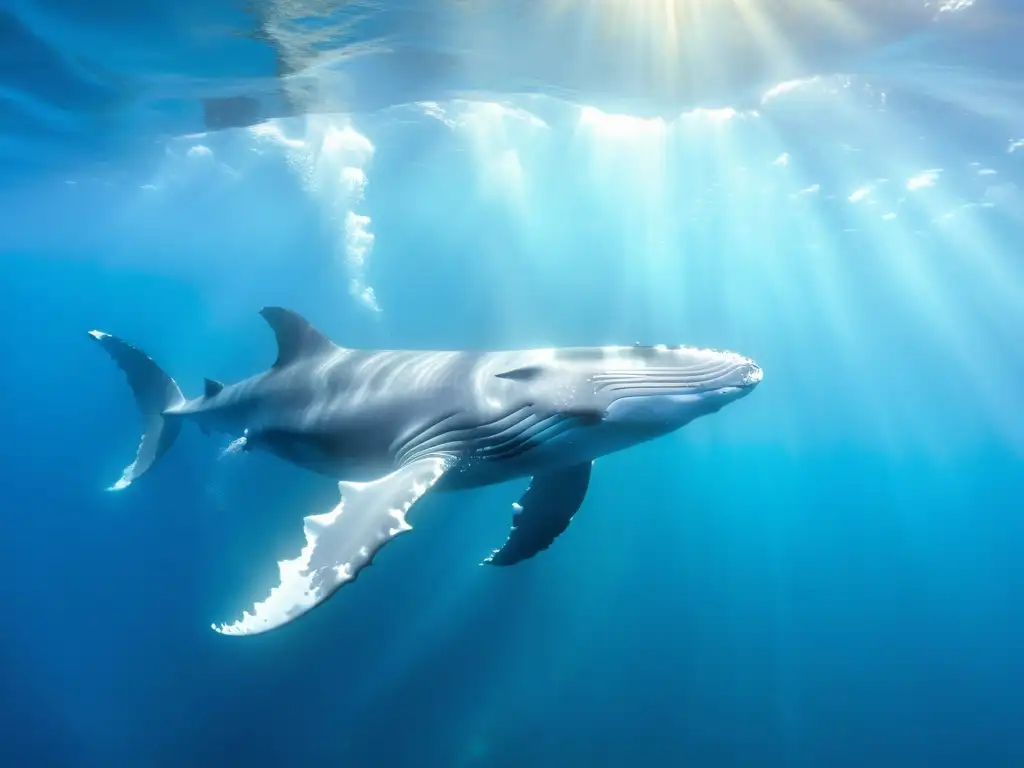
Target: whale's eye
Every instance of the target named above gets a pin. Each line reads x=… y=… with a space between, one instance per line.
x=587 y=416
x=526 y=373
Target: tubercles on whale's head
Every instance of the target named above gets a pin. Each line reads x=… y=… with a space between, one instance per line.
x=666 y=387
x=646 y=388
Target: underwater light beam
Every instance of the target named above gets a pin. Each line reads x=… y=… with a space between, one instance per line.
x=915 y=273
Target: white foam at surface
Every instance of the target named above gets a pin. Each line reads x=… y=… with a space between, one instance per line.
x=859 y=194
x=923 y=179
x=497 y=133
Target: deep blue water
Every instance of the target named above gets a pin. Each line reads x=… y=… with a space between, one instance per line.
x=826 y=573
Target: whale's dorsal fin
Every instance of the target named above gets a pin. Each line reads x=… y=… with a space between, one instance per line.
x=212 y=387
x=296 y=338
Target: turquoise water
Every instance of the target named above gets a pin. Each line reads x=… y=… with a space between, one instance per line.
x=823 y=574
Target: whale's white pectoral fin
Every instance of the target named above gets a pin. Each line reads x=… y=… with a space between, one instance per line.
x=544 y=512
x=340 y=543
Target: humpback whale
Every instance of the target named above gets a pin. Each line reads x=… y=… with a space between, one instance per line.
x=392 y=425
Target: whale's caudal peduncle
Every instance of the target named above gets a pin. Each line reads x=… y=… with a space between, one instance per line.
x=391 y=425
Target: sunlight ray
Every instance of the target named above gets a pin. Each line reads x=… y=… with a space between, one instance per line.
x=758 y=254
x=997 y=100
x=918 y=280
x=741 y=235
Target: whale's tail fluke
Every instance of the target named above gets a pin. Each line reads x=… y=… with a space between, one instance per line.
x=155 y=392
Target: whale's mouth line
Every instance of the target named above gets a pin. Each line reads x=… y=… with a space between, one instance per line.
x=669 y=388
x=721 y=378
x=709 y=388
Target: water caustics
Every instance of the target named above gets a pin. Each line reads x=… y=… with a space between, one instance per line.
x=101 y=75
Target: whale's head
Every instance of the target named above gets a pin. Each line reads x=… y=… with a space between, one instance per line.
x=664 y=388
x=625 y=395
